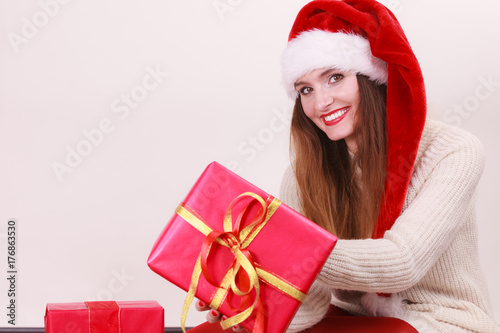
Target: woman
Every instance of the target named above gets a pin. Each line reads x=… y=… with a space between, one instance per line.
x=398 y=191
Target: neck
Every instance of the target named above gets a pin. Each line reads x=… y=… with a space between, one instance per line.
x=351 y=145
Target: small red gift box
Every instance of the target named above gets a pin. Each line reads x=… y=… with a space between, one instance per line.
x=105 y=317
x=242 y=251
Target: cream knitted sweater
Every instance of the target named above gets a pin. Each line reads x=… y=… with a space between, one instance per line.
x=429 y=258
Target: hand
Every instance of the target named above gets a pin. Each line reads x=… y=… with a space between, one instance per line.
x=214 y=316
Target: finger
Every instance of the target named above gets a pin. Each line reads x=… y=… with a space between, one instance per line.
x=213 y=316
x=201 y=306
x=237 y=328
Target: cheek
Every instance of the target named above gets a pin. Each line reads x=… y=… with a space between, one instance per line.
x=308 y=109
x=357 y=99
x=356 y=95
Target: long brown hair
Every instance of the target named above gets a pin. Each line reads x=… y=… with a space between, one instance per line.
x=339 y=192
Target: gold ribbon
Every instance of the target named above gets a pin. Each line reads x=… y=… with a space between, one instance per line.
x=237 y=241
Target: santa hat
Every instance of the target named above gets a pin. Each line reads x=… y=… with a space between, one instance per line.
x=364 y=37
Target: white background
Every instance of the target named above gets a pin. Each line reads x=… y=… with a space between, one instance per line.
x=87 y=234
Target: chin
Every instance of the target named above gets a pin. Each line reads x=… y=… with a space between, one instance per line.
x=336 y=136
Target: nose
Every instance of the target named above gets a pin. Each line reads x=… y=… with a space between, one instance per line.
x=323 y=99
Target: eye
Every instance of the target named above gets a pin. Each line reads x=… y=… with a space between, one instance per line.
x=305 y=91
x=336 y=78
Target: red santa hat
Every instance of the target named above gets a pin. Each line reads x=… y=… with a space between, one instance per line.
x=364 y=37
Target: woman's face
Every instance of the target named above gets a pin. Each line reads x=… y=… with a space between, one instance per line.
x=330 y=98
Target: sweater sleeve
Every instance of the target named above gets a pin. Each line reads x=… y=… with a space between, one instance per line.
x=448 y=172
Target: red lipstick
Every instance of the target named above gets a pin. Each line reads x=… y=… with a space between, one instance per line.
x=336 y=116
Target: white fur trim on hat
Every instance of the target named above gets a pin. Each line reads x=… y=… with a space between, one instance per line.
x=316 y=49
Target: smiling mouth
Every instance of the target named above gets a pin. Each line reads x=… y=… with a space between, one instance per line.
x=335 y=116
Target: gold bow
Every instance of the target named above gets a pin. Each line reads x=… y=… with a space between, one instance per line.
x=237 y=241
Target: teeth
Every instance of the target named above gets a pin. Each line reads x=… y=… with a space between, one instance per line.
x=336 y=114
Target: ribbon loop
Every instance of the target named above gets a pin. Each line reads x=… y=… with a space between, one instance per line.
x=243 y=263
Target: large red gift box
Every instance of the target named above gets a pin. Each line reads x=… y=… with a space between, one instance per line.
x=227 y=225
x=105 y=317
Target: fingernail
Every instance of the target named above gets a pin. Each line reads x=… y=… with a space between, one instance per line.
x=214 y=313
x=201 y=304
x=224 y=317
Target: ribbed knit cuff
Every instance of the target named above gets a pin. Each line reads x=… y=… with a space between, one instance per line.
x=313 y=309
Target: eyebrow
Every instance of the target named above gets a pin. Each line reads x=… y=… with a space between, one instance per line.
x=324 y=73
